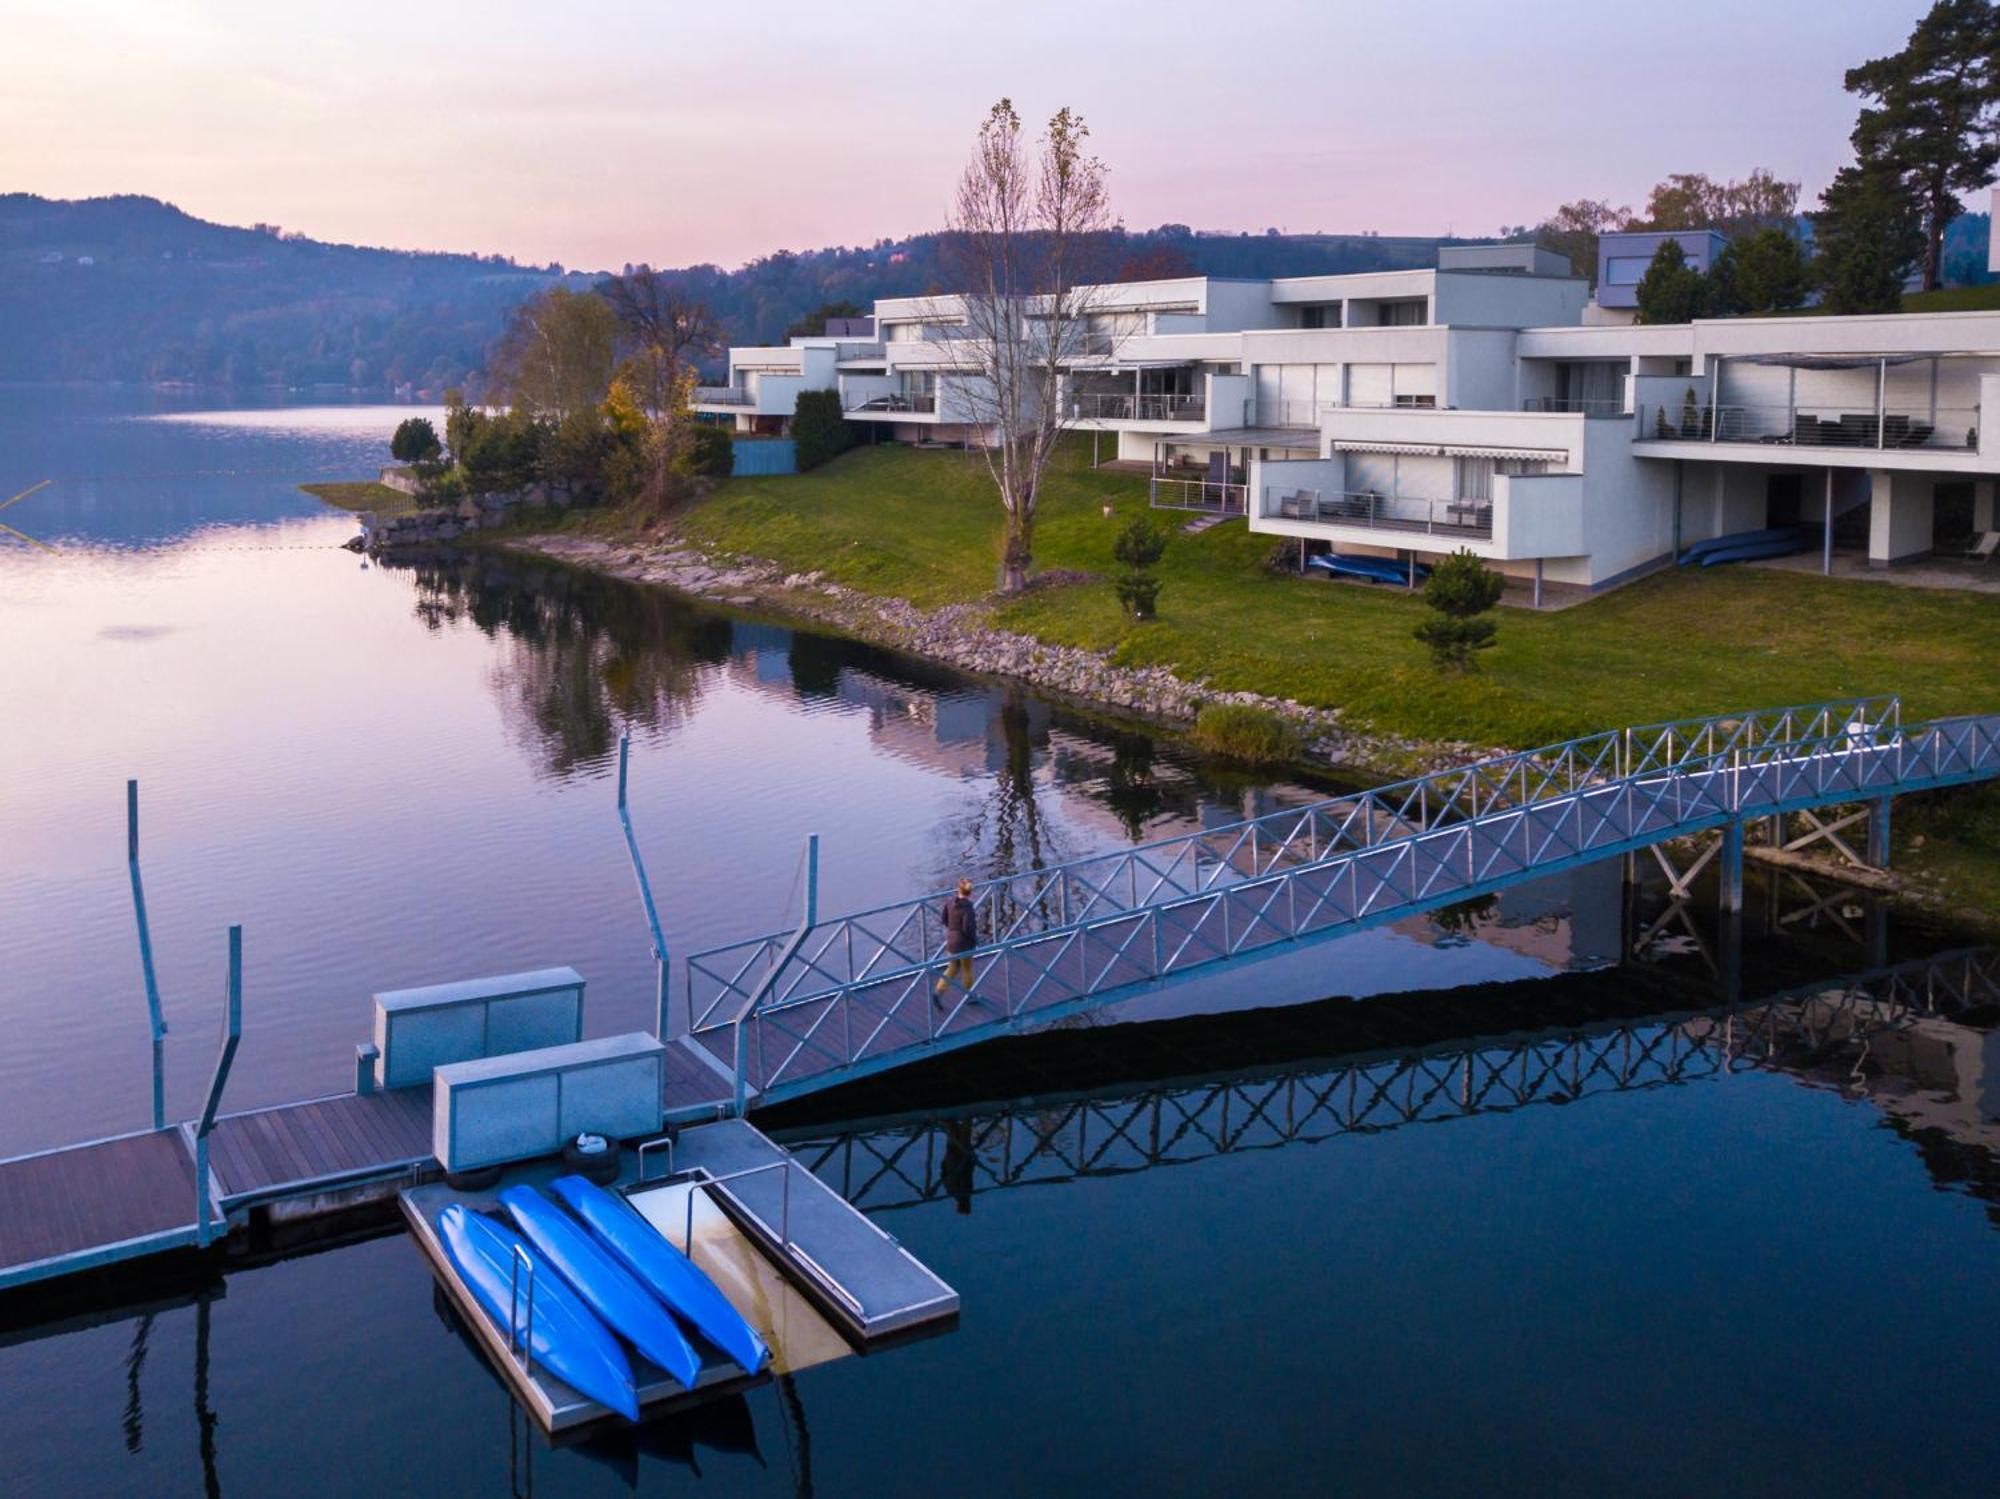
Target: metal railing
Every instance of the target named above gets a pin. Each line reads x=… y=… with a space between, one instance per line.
x=1212 y=496
x=1952 y=428
x=1113 y=406
x=1595 y=406
x=1060 y=938
x=895 y=400
x=722 y=395
x=1470 y=519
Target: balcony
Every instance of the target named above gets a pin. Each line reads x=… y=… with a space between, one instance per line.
x=1126 y=406
x=722 y=395
x=1595 y=407
x=1944 y=428
x=1208 y=496
x=1462 y=519
x=898 y=402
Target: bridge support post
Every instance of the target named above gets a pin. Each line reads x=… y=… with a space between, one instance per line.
x=1878 y=833
x=1731 y=865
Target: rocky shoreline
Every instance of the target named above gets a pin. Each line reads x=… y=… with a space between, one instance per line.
x=962 y=636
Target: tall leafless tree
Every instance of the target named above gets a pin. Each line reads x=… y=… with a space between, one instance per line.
x=1023 y=239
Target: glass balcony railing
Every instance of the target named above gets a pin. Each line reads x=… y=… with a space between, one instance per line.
x=1953 y=428
x=1465 y=518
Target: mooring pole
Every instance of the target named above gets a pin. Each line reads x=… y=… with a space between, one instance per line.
x=153 y=1014
x=225 y=1058
x=660 y=980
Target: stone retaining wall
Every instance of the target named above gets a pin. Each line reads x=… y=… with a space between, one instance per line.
x=444 y=523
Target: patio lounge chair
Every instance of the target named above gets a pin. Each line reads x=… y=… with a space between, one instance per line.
x=1983 y=549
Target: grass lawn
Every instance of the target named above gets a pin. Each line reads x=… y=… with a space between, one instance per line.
x=925 y=526
x=365 y=494
x=1955 y=299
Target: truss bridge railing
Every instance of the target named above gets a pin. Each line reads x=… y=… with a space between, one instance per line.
x=897 y=1165
x=853 y=992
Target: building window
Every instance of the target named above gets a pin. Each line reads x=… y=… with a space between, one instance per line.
x=1625 y=270
x=1409 y=314
x=1325 y=316
x=1426 y=402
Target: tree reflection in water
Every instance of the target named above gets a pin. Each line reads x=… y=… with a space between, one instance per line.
x=586 y=658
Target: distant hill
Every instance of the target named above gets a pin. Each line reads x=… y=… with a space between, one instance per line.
x=130 y=288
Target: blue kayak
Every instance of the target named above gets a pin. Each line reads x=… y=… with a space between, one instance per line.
x=1698 y=551
x=626 y=1306
x=1752 y=551
x=564 y=1337
x=675 y=1278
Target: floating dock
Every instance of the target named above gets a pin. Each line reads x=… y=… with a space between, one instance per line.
x=815 y=1278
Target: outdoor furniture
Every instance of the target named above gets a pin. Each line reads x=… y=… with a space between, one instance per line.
x=1983 y=549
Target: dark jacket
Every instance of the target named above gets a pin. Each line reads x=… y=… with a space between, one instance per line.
x=961 y=925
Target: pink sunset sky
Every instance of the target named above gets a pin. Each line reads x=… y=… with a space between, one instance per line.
x=597 y=134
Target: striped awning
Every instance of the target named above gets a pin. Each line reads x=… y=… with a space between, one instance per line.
x=1452 y=450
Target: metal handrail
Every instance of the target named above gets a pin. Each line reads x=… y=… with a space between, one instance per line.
x=722 y=395
x=1197 y=494
x=525 y=1349
x=899 y=937
x=710 y=1179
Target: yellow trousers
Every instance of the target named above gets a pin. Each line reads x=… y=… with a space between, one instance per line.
x=959 y=968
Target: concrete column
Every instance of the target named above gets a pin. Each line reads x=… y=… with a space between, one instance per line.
x=1899 y=516
x=1730 y=865
x=1982 y=506
x=1878 y=833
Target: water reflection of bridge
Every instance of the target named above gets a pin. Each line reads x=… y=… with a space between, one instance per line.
x=1895 y=1035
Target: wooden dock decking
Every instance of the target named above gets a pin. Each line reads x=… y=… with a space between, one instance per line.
x=264 y=1154
x=88 y=1205
x=82 y=1206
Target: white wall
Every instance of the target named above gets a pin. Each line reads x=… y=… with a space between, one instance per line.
x=1500 y=301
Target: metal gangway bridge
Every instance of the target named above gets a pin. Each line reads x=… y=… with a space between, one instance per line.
x=833 y=1000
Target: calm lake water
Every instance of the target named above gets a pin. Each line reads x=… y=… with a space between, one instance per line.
x=1723 y=1264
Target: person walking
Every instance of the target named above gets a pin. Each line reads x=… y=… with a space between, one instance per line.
x=961 y=935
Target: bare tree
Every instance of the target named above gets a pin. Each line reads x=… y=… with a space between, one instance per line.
x=1023 y=236
x=663 y=327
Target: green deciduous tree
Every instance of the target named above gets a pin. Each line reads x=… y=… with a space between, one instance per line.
x=1138 y=551
x=1462 y=589
x=1764 y=270
x=1933 y=119
x=1869 y=235
x=1672 y=291
x=416 y=441
x=556 y=357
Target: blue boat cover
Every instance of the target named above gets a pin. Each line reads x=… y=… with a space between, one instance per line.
x=675 y=1278
x=613 y=1292
x=563 y=1335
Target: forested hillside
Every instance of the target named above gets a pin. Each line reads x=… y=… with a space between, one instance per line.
x=130 y=288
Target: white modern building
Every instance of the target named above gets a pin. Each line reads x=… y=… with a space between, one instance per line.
x=1487 y=404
